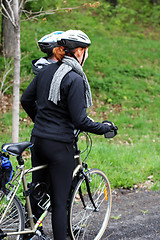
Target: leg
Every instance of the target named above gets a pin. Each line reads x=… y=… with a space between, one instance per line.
x=37 y=177
x=60 y=159
x=61 y=178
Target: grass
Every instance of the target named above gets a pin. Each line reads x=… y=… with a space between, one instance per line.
x=125 y=164
x=124 y=71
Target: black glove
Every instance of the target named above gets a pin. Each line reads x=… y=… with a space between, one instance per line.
x=113 y=129
x=110 y=124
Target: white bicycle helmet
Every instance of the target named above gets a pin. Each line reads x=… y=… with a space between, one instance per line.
x=48 y=42
x=72 y=39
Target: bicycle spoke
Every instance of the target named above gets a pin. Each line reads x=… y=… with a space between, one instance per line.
x=84 y=220
x=13 y=220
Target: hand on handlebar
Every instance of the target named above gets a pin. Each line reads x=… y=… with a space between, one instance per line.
x=113 y=129
x=110 y=124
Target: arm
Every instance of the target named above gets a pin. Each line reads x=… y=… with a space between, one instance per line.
x=28 y=100
x=77 y=108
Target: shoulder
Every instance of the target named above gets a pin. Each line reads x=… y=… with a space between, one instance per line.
x=72 y=81
x=73 y=78
x=48 y=70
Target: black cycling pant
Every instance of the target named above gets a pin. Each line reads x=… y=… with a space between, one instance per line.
x=60 y=160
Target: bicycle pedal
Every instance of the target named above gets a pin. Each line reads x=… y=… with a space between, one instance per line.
x=34 y=238
x=28 y=237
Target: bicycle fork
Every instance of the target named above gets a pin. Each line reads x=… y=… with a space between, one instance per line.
x=89 y=193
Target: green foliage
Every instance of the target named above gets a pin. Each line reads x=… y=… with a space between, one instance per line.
x=128 y=13
x=37 y=5
x=125 y=164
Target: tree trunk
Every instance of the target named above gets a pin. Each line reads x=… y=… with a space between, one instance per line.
x=154 y=1
x=16 y=80
x=7 y=39
x=113 y=2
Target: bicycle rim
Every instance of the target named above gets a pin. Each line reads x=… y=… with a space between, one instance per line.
x=85 y=222
x=13 y=220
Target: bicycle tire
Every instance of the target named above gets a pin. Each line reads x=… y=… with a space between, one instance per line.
x=14 y=219
x=84 y=222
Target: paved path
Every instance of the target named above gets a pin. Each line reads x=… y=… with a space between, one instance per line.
x=135 y=216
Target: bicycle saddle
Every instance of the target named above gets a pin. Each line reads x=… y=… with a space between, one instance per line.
x=16 y=149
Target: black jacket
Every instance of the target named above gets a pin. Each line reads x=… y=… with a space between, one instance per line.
x=57 y=122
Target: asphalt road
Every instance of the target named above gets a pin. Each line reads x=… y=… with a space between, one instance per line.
x=135 y=215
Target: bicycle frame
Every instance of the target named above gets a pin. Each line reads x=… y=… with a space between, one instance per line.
x=21 y=178
x=81 y=174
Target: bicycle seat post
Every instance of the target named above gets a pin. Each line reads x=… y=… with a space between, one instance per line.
x=20 y=160
x=25 y=187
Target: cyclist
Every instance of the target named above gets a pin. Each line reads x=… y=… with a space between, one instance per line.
x=46 y=44
x=56 y=100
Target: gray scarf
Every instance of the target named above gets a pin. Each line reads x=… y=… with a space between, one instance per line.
x=68 y=64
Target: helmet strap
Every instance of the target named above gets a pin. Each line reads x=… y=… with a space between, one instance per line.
x=83 y=57
x=72 y=54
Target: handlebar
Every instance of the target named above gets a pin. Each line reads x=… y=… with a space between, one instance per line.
x=110 y=134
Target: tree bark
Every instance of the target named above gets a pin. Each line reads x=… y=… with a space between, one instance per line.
x=7 y=33
x=113 y=2
x=16 y=80
x=154 y=1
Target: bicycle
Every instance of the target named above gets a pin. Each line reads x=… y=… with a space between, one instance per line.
x=90 y=198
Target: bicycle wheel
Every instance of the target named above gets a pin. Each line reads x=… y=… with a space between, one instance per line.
x=85 y=222
x=13 y=220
